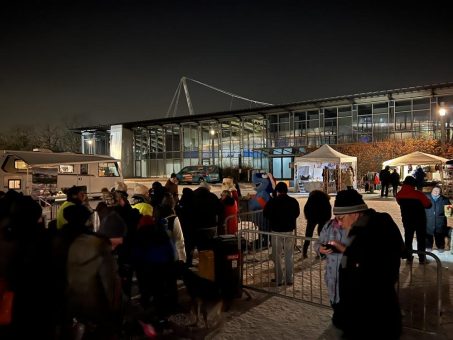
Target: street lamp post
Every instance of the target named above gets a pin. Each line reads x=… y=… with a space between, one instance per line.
x=442 y=113
x=212 y=133
x=90 y=146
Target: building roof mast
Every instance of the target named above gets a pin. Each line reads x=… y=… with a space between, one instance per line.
x=183 y=82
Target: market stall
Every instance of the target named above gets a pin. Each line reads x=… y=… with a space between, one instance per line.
x=432 y=165
x=324 y=169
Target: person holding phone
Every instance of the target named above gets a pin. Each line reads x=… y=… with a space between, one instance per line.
x=331 y=243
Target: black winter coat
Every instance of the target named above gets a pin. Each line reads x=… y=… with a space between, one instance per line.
x=368 y=273
x=282 y=212
x=436 y=221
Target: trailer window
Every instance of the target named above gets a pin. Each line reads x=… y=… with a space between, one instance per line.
x=14 y=184
x=108 y=170
x=20 y=165
x=66 y=169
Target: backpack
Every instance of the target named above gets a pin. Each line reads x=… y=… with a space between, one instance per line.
x=155 y=244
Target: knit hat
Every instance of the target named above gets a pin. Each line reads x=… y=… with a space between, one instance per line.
x=348 y=202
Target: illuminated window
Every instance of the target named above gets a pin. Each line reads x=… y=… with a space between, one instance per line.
x=14 y=184
x=19 y=164
x=108 y=170
x=66 y=169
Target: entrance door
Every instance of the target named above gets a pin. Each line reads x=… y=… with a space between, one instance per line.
x=281 y=168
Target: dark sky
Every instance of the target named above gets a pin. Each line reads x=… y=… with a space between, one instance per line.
x=112 y=61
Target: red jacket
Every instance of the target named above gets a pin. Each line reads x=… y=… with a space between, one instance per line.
x=409 y=192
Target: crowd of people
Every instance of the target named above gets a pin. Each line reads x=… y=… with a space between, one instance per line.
x=66 y=277
x=356 y=263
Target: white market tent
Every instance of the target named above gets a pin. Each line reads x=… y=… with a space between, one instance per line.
x=327 y=154
x=315 y=161
x=415 y=158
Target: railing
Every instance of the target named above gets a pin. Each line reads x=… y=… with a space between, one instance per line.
x=420 y=291
x=420 y=287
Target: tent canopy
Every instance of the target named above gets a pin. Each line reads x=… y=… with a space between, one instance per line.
x=326 y=154
x=415 y=158
x=34 y=158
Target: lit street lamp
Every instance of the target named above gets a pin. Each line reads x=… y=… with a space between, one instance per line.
x=442 y=113
x=212 y=133
x=90 y=146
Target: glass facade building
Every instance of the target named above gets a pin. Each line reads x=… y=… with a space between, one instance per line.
x=269 y=138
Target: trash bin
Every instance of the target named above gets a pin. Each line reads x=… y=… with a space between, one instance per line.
x=228 y=261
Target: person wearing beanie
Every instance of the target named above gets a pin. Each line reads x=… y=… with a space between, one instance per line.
x=412 y=205
x=92 y=284
x=282 y=212
x=369 y=269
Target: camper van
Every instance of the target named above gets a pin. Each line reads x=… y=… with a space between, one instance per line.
x=45 y=173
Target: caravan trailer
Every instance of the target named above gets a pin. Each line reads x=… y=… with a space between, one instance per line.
x=46 y=173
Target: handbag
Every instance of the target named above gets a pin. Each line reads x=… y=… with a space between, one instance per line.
x=6 y=303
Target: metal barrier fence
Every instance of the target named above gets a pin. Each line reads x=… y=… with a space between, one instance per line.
x=420 y=290
x=49 y=210
x=420 y=286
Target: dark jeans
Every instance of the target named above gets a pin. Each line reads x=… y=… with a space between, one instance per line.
x=309 y=233
x=395 y=190
x=384 y=187
x=438 y=238
x=420 y=231
x=338 y=315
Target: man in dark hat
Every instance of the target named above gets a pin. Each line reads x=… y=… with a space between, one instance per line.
x=412 y=205
x=74 y=195
x=369 y=269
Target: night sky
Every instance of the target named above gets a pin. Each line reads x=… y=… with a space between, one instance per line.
x=100 y=62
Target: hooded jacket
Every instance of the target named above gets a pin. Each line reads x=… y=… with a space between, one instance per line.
x=93 y=287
